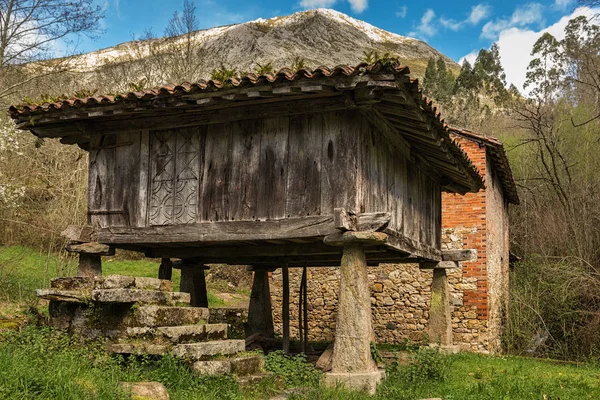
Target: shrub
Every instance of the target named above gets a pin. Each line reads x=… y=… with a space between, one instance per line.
x=293 y=369
x=426 y=364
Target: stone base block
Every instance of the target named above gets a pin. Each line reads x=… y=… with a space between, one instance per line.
x=155 y=297
x=138 y=349
x=179 y=334
x=204 y=350
x=240 y=366
x=365 y=381
x=152 y=316
x=68 y=296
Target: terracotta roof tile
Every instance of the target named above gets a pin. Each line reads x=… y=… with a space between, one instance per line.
x=499 y=159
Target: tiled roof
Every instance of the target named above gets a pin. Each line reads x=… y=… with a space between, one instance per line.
x=400 y=106
x=249 y=80
x=499 y=160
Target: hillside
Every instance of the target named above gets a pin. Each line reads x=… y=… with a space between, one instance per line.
x=320 y=37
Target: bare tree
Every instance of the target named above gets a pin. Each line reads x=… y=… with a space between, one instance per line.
x=30 y=28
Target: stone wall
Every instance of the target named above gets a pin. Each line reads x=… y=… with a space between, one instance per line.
x=401 y=294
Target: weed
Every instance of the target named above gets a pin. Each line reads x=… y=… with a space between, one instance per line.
x=294 y=369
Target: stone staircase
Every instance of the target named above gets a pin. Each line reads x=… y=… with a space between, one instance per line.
x=144 y=316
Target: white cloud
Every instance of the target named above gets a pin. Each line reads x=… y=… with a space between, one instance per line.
x=523 y=16
x=451 y=24
x=426 y=28
x=562 y=4
x=479 y=13
x=358 y=6
x=402 y=11
x=516 y=43
x=471 y=57
x=317 y=3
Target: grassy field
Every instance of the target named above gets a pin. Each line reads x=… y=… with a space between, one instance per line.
x=37 y=362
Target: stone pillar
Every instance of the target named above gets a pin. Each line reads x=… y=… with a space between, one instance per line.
x=440 y=320
x=353 y=365
x=90 y=265
x=193 y=281
x=260 y=313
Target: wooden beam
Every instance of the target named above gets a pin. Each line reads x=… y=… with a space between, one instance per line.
x=222 y=231
x=459 y=255
x=285 y=307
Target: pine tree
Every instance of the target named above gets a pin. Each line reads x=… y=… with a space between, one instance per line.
x=430 y=78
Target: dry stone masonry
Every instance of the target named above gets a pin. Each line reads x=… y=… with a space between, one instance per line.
x=143 y=316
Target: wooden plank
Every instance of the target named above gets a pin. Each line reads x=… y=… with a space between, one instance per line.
x=126 y=189
x=339 y=171
x=307 y=227
x=101 y=179
x=161 y=177
x=245 y=173
x=216 y=174
x=143 y=192
x=187 y=175
x=272 y=191
x=304 y=172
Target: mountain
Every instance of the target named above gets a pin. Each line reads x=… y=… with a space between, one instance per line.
x=319 y=37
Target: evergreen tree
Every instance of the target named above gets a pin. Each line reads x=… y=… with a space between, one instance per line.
x=430 y=78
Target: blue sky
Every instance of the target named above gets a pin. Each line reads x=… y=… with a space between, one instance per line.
x=456 y=28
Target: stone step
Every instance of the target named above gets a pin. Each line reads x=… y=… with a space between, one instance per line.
x=111 y=282
x=68 y=296
x=153 y=316
x=138 y=348
x=154 y=297
x=240 y=366
x=205 y=350
x=179 y=334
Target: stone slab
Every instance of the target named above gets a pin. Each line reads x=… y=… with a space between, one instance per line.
x=138 y=348
x=202 y=351
x=153 y=316
x=73 y=283
x=247 y=365
x=91 y=248
x=179 y=334
x=155 y=297
x=366 y=381
x=145 y=390
x=212 y=367
x=68 y=296
x=130 y=282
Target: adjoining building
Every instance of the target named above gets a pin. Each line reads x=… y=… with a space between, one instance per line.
x=401 y=293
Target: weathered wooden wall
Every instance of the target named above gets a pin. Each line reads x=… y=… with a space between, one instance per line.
x=259 y=169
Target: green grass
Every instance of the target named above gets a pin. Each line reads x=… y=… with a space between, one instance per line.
x=22 y=270
x=40 y=363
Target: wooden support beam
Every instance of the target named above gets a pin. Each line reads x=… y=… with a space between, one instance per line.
x=165 y=271
x=193 y=281
x=285 y=308
x=222 y=231
x=459 y=255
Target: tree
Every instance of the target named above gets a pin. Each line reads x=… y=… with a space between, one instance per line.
x=29 y=29
x=181 y=47
x=430 y=78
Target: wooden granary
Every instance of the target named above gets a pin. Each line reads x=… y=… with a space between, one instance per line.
x=314 y=168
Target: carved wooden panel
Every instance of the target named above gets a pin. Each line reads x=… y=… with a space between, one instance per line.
x=174 y=172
